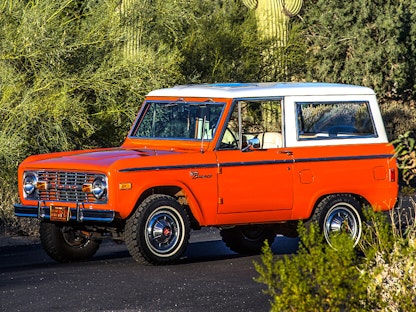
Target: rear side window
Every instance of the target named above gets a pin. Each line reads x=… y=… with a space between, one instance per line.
x=334 y=120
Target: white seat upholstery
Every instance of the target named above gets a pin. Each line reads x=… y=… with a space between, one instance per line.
x=270 y=139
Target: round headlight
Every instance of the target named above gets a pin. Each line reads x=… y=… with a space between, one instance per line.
x=29 y=183
x=99 y=187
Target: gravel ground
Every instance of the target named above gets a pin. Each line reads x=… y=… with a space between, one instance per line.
x=9 y=241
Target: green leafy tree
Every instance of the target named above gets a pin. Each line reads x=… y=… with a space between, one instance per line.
x=363 y=42
x=219 y=43
x=64 y=81
x=217 y=40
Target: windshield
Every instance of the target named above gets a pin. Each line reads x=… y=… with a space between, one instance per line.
x=178 y=120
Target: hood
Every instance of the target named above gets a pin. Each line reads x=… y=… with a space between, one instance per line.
x=89 y=159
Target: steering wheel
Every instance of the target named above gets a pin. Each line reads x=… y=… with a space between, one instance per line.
x=229 y=140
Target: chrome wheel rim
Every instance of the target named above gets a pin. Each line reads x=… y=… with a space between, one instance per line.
x=164 y=232
x=343 y=218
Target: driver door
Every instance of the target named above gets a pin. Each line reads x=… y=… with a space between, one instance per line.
x=255 y=173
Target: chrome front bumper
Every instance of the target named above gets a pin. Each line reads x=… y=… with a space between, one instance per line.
x=77 y=214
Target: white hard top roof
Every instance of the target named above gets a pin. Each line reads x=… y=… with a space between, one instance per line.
x=244 y=90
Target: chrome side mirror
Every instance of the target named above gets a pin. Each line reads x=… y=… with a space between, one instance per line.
x=253 y=143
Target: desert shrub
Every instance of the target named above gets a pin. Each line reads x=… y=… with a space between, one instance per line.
x=398 y=118
x=317 y=278
x=406 y=156
x=378 y=275
x=389 y=246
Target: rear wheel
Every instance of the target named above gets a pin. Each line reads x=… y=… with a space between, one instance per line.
x=339 y=213
x=248 y=239
x=158 y=231
x=66 y=244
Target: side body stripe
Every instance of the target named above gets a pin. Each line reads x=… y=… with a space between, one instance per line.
x=257 y=163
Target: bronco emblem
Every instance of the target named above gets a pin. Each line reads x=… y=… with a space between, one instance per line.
x=195 y=175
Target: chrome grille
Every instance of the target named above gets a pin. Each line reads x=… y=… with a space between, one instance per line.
x=65 y=186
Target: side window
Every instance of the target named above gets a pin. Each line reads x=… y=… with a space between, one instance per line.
x=254 y=119
x=334 y=120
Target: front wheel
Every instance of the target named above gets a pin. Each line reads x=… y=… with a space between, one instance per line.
x=248 y=239
x=66 y=244
x=339 y=213
x=158 y=231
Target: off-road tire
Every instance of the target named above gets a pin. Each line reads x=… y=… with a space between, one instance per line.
x=158 y=231
x=248 y=239
x=339 y=213
x=64 y=244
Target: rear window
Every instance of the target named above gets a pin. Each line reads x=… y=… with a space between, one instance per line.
x=334 y=120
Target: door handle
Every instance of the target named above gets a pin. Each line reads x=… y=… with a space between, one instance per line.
x=290 y=153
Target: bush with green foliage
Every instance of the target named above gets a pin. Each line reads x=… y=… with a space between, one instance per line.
x=379 y=275
x=405 y=148
x=317 y=278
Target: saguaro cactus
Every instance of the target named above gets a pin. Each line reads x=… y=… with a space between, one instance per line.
x=273 y=17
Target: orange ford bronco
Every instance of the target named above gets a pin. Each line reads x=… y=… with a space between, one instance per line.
x=249 y=158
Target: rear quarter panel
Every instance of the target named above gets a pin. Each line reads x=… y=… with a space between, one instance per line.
x=363 y=170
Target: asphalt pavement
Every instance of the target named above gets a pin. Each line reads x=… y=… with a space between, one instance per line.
x=209 y=277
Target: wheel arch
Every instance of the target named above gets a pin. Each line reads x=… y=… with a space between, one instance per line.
x=364 y=202
x=182 y=194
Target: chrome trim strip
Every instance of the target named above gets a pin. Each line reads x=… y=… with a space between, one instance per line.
x=77 y=214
